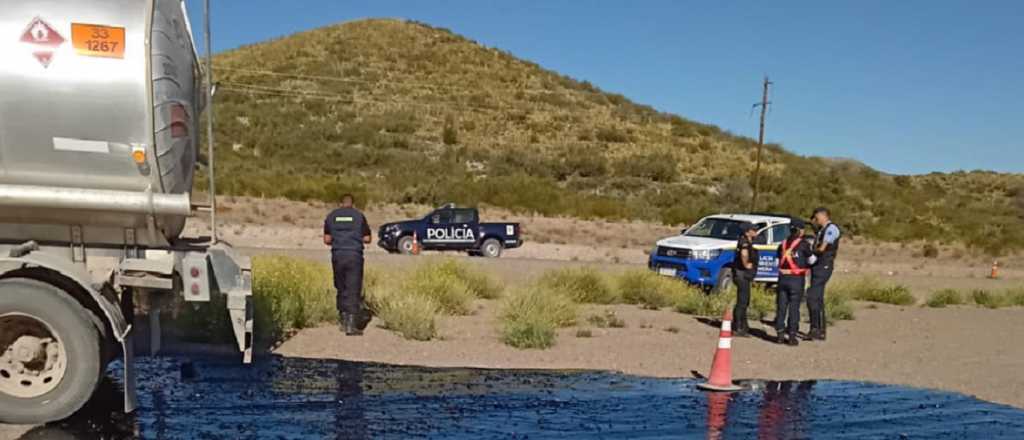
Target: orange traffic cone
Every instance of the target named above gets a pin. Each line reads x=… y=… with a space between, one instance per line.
x=995 y=270
x=415 y=244
x=721 y=366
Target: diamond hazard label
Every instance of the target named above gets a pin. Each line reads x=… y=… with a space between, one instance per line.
x=40 y=34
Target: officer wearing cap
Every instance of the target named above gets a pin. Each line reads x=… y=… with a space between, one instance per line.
x=826 y=247
x=794 y=255
x=744 y=269
x=346 y=231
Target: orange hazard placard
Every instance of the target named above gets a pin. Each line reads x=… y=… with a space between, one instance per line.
x=98 y=41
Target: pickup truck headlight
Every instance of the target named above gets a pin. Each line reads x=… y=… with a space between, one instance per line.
x=706 y=254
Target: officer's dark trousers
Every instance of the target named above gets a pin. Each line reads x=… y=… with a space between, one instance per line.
x=787 y=303
x=820 y=275
x=348 y=279
x=739 y=312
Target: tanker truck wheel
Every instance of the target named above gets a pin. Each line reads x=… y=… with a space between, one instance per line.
x=50 y=360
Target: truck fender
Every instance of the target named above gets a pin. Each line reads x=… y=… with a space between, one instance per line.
x=112 y=316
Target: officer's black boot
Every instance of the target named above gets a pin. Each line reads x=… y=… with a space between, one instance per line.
x=824 y=326
x=352 y=326
x=793 y=340
x=781 y=337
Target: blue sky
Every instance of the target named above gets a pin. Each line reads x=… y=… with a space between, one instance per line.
x=904 y=86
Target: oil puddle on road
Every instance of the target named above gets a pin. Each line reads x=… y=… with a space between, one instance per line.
x=289 y=398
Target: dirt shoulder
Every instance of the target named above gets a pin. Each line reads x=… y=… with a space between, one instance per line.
x=964 y=349
x=950 y=349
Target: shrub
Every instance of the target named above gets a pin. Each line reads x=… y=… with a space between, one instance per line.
x=988 y=299
x=479 y=283
x=582 y=285
x=762 y=303
x=611 y=135
x=410 y=315
x=710 y=305
x=530 y=316
x=837 y=307
x=606 y=320
x=945 y=297
x=453 y=295
x=652 y=291
x=450 y=134
x=291 y=294
x=872 y=290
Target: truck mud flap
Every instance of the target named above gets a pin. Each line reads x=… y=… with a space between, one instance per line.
x=233 y=278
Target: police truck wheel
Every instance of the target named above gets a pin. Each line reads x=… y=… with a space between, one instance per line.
x=50 y=360
x=724 y=280
x=491 y=248
x=405 y=245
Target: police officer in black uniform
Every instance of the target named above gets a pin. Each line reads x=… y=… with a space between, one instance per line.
x=794 y=255
x=744 y=269
x=826 y=247
x=346 y=231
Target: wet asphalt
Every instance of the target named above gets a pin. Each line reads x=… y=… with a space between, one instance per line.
x=293 y=398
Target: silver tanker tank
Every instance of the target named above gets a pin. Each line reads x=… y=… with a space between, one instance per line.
x=99 y=112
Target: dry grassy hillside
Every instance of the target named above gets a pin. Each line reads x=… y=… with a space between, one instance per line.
x=406 y=113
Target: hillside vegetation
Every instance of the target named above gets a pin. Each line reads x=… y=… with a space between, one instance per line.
x=403 y=112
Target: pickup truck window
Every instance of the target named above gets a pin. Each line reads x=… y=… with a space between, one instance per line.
x=441 y=217
x=720 y=228
x=465 y=216
x=779 y=233
x=761 y=238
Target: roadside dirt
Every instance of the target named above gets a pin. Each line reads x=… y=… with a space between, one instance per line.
x=964 y=349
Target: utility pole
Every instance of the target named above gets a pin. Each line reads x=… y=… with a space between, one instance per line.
x=760 y=143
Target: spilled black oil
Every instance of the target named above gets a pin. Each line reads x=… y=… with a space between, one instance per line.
x=289 y=398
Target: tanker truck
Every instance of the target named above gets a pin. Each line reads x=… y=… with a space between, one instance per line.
x=100 y=104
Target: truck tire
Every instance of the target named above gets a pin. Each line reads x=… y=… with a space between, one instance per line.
x=491 y=248
x=405 y=245
x=724 y=281
x=50 y=353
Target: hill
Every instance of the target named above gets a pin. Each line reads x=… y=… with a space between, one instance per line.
x=404 y=112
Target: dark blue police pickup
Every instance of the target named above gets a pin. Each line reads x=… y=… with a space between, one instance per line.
x=450 y=229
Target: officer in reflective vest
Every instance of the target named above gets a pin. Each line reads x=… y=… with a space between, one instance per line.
x=346 y=231
x=744 y=269
x=826 y=246
x=794 y=253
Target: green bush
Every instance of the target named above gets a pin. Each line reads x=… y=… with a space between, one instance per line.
x=479 y=283
x=410 y=315
x=291 y=294
x=945 y=297
x=453 y=295
x=710 y=305
x=873 y=290
x=529 y=317
x=583 y=285
x=762 y=302
x=837 y=307
x=988 y=299
x=652 y=291
x=608 y=319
